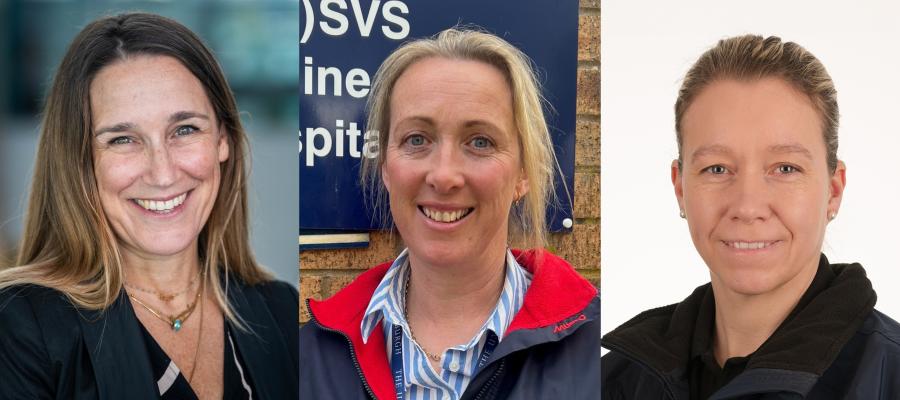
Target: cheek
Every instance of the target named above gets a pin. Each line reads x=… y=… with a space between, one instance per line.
x=115 y=173
x=704 y=208
x=803 y=212
x=403 y=175
x=495 y=181
x=198 y=163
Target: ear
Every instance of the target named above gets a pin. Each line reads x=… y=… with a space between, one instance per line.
x=224 y=147
x=385 y=178
x=836 y=185
x=677 y=184
x=522 y=184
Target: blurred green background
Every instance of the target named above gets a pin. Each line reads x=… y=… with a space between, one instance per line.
x=255 y=41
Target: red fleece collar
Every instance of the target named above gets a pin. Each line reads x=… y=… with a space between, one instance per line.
x=556 y=293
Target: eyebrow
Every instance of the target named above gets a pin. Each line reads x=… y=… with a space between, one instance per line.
x=120 y=127
x=183 y=115
x=127 y=126
x=709 y=149
x=476 y=123
x=778 y=148
x=791 y=148
x=467 y=124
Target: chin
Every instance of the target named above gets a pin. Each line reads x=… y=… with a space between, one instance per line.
x=750 y=283
x=439 y=253
x=163 y=248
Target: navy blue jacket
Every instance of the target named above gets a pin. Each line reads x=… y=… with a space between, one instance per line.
x=49 y=349
x=551 y=349
x=834 y=345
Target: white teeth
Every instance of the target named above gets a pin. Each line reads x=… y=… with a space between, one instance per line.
x=749 y=245
x=445 y=216
x=162 y=206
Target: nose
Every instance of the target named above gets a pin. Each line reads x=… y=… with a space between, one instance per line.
x=445 y=169
x=162 y=171
x=752 y=199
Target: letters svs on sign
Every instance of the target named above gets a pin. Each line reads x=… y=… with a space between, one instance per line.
x=335 y=22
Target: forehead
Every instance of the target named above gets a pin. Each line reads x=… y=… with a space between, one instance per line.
x=445 y=87
x=752 y=115
x=144 y=87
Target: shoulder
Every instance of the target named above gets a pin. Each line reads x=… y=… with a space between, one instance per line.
x=869 y=363
x=280 y=292
x=278 y=298
x=34 y=303
x=37 y=327
x=348 y=304
x=622 y=378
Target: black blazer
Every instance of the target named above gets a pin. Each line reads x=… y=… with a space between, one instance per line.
x=51 y=349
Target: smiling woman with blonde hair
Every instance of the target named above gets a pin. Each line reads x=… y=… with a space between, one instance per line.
x=465 y=170
x=135 y=278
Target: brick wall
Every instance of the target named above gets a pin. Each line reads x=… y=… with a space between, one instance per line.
x=324 y=272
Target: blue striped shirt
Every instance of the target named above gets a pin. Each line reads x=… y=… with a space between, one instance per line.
x=458 y=363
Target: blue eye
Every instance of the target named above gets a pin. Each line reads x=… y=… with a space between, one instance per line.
x=481 y=143
x=716 y=169
x=415 y=140
x=185 y=130
x=119 y=140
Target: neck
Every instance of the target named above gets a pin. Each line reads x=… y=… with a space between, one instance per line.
x=446 y=294
x=745 y=322
x=164 y=274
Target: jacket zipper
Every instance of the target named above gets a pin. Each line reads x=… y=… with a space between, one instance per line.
x=490 y=382
x=657 y=374
x=352 y=351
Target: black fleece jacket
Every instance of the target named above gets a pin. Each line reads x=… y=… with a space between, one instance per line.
x=833 y=345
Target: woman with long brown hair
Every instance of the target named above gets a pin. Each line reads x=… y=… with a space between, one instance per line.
x=135 y=278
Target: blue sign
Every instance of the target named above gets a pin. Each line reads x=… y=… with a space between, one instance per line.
x=342 y=44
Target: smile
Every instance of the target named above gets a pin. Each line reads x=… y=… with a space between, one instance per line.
x=445 y=216
x=161 y=206
x=749 y=245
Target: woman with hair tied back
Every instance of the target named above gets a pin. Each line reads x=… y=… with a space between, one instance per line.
x=758 y=180
x=135 y=277
x=464 y=169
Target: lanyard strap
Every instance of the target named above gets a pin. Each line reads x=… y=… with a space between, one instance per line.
x=397 y=361
x=397 y=357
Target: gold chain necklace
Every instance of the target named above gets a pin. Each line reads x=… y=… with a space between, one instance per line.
x=433 y=357
x=165 y=296
x=176 y=321
x=199 y=336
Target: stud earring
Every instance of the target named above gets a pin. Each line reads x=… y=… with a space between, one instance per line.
x=832 y=215
x=682 y=214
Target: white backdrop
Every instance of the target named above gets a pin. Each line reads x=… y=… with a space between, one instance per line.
x=648 y=259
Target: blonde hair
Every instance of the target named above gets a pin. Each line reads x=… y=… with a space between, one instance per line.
x=752 y=57
x=68 y=244
x=528 y=224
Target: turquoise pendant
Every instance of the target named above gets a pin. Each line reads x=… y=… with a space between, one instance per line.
x=176 y=326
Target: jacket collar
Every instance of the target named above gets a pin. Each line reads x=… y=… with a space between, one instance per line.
x=557 y=293
x=806 y=343
x=262 y=347
x=112 y=336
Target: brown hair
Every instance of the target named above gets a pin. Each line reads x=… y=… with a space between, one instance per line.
x=528 y=224
x=68 y=244
x=752 y=57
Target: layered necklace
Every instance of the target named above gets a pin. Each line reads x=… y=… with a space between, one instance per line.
x=177 y=320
